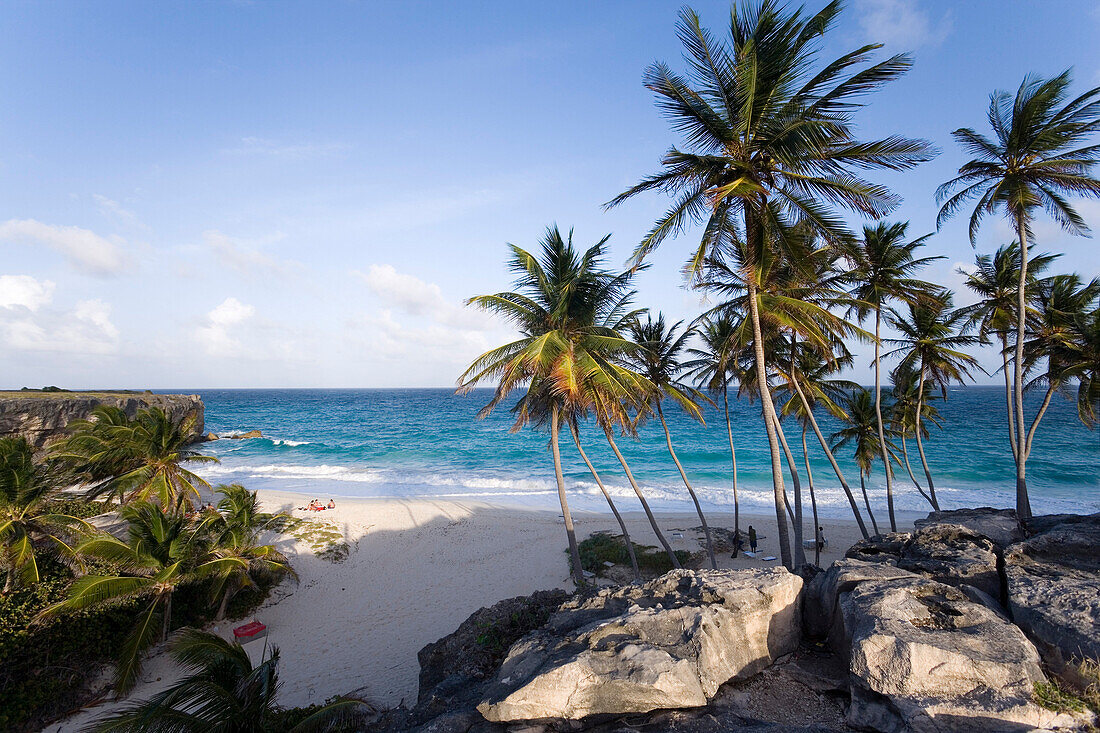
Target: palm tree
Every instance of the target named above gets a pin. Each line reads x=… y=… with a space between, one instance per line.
x=235 y=555
x=1041 y=153
x=995 y=278
x=658 y=360
x=223 y=692
x=1085 y=367
x=714 y=367
x=139 y=459
x=883 y=264
x=568 y=310
x=904 y=415
x=161 y=553
x=862 y=432
x=769 y=139
x=28 y=524
x=931 y=339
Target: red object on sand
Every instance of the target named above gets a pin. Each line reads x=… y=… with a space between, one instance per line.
x=249 y=631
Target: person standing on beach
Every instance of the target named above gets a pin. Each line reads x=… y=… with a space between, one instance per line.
x=820 y=539
x=752 y=538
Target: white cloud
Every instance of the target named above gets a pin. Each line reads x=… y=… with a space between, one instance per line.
x=215 y=335
x=84 y=249
x=245 y=255
x=415 y=297
x=113 y=209
x=901 y=24
x=87 y=329
x=25 y=291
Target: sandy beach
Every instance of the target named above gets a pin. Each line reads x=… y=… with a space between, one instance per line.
x=415 y=569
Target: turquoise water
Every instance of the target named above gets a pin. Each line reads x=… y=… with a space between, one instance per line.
x=428 y=443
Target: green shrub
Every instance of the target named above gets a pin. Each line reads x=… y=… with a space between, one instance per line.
x=604 y=547
x=1052 y=697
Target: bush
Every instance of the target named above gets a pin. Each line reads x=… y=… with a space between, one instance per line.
x=603 y=547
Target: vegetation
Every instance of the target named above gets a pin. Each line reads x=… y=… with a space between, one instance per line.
x=601 y=548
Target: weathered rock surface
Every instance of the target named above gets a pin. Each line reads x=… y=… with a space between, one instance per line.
x=243 y=436
x=823 y=593
x=44 y=417
x=999 y=525
x=925 y=658
x=955 y=555
x=668 y=644
x=1054 y=589
x=880 y=548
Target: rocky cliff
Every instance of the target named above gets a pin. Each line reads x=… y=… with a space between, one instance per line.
x=43 y=417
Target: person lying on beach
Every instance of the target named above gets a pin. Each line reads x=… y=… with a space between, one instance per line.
x=331 y=504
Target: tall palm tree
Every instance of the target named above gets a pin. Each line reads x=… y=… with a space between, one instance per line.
x=932 y=337
x=659 y=361
x=903 y=417
x=236 y=555
x=768 y=139
x=996 y=278
x=1085 y=367
x=161 y=552
x=862 y=432
x=714 y=367
x=568 y=310
x=28 y=525
x=883 y=265
x=1042 y=151
x=138 y=460
x=224 y=691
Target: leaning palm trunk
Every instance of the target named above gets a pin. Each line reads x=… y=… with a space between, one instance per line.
x=778 y=490
x=920 y=443
x=733 y=458
x=641 y=498
x=574 y=553
x=610 y=503
x=832 y=459
x=881 y=432
x=1009 y=402
x=909 y=469
x=863 y=488
x=1023 y=503
x=796 y=515
x=691 y=491
x=813 y=498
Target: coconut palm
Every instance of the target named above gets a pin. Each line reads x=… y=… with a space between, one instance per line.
x=235 y=555
x=138 y=460
x=1085 y=367
x=224 y=691
x=883 y=265
x=768 y=139
x=1042 y=152
x=28 y=525
x=996 y=278
x=903 y=418
x=567 y=309
x=931 y=340
x=861 y=431
x=714 y=367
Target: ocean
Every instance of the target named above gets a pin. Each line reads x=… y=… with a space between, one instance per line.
x=429 y=443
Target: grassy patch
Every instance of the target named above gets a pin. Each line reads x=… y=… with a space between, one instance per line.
x=1053 y=697
x=604 y=547
x=324 y=538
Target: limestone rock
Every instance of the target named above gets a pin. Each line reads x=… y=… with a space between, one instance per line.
x=1054 y=589
x=999 y=525
x=823 y=593
x=880 y=548
x=955 y=555
x=243 y=436
x=925 y=658
x=667 y=644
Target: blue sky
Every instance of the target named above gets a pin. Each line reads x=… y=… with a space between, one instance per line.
x=276 y=194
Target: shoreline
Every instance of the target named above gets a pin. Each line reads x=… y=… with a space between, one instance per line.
x=415 y=570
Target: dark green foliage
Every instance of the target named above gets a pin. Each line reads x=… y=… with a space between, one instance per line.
x=604 y=547
x=497 y=636
x=81 y=508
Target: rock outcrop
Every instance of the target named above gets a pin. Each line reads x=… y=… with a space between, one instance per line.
x=880 y=548
x=955 y=555
x=1000 y=526
x=667 y=644
x=1053 y=584
x=43 y=417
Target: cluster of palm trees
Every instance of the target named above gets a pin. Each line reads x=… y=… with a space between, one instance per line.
x=767 y=163
x=165 y=543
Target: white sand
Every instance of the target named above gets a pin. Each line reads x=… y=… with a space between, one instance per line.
x=416 y=570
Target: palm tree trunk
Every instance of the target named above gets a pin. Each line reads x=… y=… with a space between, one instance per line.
x=167 y=617
x=641 y=498
x=878 y=414
x=832 y=459
x=796 y=515
x=1038 y=417
x=1023 y=504
x=733 y=458
x=1009 y=402
x=610 y=503
x=574 y=553
x=778 y=490
x=920 y=443
x=691 y=491
x=909 y=469
x=813 y=498
x=863 y=487
x=224 y=604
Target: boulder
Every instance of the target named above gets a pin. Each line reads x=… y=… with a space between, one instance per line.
x=1000 y=526
x=667 y=644
x=955 y=555
x=823 y=593
x=243 y=436
x=1053 y=584
x=925 y=658
x=880 y=548
x=211 y=437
